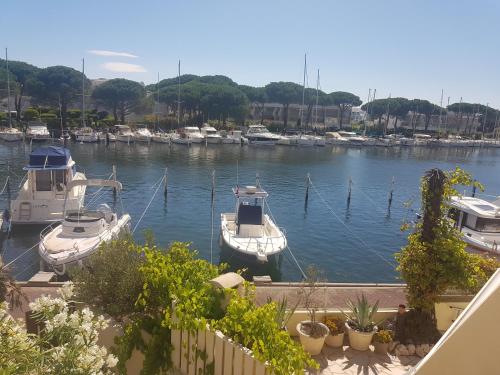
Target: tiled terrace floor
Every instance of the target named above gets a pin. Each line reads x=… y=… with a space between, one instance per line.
x=352 y=362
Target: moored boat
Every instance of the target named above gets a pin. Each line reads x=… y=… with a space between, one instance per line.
x=43 y=195
x=11 y=135
x=123 y=134
x=142 y=134
x=210 y=134
x=37 y=131
x=259 y=135
x=82 y=231
x=250 y=231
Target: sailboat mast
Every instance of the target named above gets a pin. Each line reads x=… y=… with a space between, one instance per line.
x=8 y=87
x=303 y=93
x=317 y=102
x=386 y=127
x=83 y=93
x=440 y=113
x=158 y=102
x=179 y=94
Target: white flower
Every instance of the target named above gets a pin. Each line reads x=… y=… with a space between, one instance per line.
x=111 y=361
x=67 y=290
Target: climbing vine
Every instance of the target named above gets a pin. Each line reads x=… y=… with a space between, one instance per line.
x=435 y=258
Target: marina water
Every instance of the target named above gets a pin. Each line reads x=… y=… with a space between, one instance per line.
x=350 y=244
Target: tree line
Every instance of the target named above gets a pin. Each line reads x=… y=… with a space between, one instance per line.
x=206 y=97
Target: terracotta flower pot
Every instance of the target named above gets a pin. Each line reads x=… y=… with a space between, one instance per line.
x=381 y=347
x=335 y=341
x=312 y=345
x=359 y=340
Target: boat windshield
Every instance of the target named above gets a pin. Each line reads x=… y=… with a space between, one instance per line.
x=258 y=129
x=84 y=216
x=487 y=225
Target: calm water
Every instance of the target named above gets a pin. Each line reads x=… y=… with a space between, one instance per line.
x=354 y=244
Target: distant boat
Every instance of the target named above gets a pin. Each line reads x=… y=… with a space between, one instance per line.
x=82 y=231
x=9 y=134
x=43 y=194
x=86 y=135
x=124 y=134
x=142 y=134
x=210 y=134
x=188 y=135
x=259 y=135
x=478 y=221
x=250 y=231
x=37 y=131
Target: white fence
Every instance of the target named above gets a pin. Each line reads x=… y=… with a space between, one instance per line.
x=210 y=352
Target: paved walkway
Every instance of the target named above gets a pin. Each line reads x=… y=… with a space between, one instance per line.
x=347 y=361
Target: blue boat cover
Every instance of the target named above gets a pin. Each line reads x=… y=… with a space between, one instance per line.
x=51 y=157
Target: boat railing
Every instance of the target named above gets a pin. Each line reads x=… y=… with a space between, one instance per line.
x=245 y=245
x=47 y=230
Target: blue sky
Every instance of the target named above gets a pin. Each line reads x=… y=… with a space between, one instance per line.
x=403 y=48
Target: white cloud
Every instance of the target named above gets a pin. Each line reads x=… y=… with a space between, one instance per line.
x=120 y=67
x=101 y=52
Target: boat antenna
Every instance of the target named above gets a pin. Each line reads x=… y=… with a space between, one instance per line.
x=83 y=93
x=303 y=93
x=8 y=87
x=179 y=94
x=367 y=109
x=317 y=102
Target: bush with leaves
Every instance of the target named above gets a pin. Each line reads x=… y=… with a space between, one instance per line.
x=435 y=258
x=256 y=328
x=111 y=282
x=66 y=343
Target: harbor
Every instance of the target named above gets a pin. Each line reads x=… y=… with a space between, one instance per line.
x=351 y=208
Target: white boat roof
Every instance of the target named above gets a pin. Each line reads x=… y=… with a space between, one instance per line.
x=249 y=191
x=122 y=126
x=419 y=135
x=476 y=206
x=192 y=128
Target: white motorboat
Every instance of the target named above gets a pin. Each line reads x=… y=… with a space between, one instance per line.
x=124 y=134
x=82 y=231
x=210 y=134
x=161 y=137
x=11 y=135
x=250 y=231
x=334 y=138
x=259 y=135
x=86 y=135
x=478 y=221
x=288 y=140
x=188 y=135
x=42 y=196
x=233 y=137
x=142 y=134
x=352 y=138
x=37 y=131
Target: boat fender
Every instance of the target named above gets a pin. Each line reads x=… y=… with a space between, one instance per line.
x=58 y=272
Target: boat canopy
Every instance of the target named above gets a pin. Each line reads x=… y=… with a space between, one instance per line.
x=250 y=192
x=52 y=157
x=95 y=182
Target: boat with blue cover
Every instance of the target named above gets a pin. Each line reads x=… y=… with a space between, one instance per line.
x=43 y=191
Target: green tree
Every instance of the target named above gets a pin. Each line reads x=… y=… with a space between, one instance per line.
x=345 y=101
x=284 y=93
x=398 y=107
x=223 y=101
x=59 y=83
x=256 y=95
x=120 y=95
x=435 y=258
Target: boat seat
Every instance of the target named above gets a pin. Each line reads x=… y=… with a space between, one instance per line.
x=249 y=230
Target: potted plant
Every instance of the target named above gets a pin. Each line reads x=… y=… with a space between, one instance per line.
x=311 y=332
x=381 y=341
x=335 y=339
x=360 y=324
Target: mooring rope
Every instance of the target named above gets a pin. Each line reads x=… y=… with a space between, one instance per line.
x=149 y=204
x=349 y=229
x=22 y=254
x=5 y=186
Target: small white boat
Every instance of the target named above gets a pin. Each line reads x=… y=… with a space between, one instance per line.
x=478 y=221
x=260 y=135
x=210 y=134
x=86 y=135
x=43 y=195
x=352 y=138
x=250 y=231
x=161 y=137
x=233 y=137
x=37 y=131
x=124 y=134
x=82 y=231
x=142 y=134
x=188 y=136
x=11 y=135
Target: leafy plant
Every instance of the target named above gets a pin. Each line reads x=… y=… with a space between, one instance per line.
x=361 y=317
x=335 y=326
x=383 y=336
x=435 y=258
x=307 y=294
x=283 y=313
x=256 y=328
